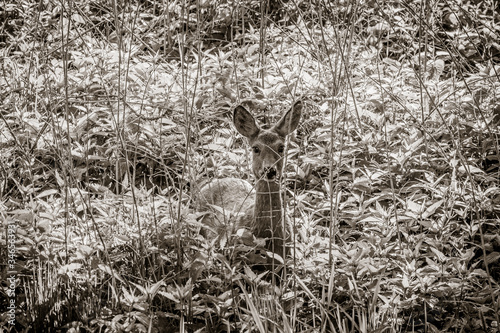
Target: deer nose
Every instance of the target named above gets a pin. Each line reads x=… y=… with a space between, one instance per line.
x=270 y=173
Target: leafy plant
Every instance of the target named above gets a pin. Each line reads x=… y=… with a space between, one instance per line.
x=112 y=116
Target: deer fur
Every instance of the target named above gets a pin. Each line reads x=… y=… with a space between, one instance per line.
x=233 y=199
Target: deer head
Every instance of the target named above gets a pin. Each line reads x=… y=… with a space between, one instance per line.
x=268 y=145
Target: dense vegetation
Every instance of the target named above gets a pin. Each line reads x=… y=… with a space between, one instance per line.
x=112 y=115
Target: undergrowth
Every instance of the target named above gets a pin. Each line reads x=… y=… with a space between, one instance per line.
x=113 y=116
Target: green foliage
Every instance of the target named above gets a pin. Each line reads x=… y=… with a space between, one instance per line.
x=112 y=117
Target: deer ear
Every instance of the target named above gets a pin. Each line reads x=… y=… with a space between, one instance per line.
x=245 y=122
x=289 y=122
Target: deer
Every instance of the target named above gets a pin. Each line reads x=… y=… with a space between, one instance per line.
x=259 y=208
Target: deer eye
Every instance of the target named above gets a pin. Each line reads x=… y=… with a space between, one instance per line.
x=256 y=150
x=281 y=149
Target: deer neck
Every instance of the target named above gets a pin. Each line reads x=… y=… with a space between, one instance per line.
x=268 y=206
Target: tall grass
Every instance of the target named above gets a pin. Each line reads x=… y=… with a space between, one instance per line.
x=113 y=116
